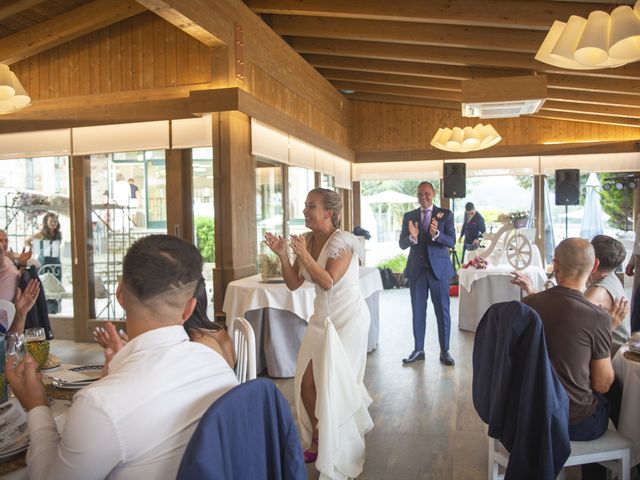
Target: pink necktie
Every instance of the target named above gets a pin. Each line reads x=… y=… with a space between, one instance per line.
x=426 y=219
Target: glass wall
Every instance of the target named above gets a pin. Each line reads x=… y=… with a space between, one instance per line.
x=327 y=181
x=30 y=190
x=127 y=202
x=203 y=215
x=301 y=181
x=269 y=207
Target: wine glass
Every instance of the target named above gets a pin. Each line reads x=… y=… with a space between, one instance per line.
x=37 y=345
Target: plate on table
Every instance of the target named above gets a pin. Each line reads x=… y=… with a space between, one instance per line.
x=20 y=444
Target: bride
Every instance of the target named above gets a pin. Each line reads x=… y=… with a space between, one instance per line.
x=330 y=397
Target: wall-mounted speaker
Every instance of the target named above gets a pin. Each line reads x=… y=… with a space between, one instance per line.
x=568 y=187
x=454 y=182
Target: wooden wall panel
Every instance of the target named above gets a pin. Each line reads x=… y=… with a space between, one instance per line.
x=385 y=126
x=142 y=52
x=275 y=94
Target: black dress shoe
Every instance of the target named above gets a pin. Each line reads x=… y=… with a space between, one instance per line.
x=415 y=356
x=447 y=359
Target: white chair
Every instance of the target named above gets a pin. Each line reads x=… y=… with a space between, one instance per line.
x=10 y=308
x=611 y=450
x=244 y=343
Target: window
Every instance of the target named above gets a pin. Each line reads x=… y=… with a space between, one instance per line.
x=127 y=202
x=32 y=190
x=269 y=208
x=301 y=181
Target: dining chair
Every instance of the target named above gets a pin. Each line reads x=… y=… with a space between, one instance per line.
x=612 y=450
x=10 y=309
x=244 y=343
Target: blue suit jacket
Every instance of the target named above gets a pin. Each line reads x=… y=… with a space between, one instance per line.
x=247 y=433
x=517 y=393
x=437 y=251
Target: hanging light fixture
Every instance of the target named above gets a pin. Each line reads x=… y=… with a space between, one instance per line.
x=466 y=139
x=600 y=41
x=13 y=96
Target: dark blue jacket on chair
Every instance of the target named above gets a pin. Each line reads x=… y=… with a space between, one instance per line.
x=248 y=433
x=517 y=393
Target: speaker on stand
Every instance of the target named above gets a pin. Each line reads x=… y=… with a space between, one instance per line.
x=567 y=192
x=454 y=186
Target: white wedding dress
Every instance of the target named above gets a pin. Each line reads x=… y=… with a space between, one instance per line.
x=336 y=341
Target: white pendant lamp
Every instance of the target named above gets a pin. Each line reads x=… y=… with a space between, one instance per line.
x=13 y=96
x=465 y=139
x=601 y=41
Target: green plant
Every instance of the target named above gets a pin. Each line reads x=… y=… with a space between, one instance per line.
x=205 y=235
x=397 y=264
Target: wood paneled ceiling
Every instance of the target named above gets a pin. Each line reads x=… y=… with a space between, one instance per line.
x=418 y=52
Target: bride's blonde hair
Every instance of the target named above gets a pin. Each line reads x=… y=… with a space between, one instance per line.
x=332 y=201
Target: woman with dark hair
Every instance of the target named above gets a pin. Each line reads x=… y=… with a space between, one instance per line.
x=202 y=330
x=198 y=326
x=48 y=244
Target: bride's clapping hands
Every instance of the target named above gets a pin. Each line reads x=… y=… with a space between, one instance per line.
x=276 y=243
x=299 y=247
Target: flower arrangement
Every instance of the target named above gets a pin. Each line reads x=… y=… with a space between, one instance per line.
x=269 y=266
x=479 y=263
x=519 y=218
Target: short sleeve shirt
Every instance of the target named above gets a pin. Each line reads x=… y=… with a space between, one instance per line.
x=576 y=332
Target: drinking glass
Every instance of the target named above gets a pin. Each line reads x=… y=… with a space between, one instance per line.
x=14 y=345
x=37 y=345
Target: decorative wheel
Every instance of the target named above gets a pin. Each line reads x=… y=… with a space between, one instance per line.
x=519 y=251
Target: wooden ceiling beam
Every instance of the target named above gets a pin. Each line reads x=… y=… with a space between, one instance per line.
x=591 y=109
x=562 y=95
x=484 y=38
x=491 y=13
x=589 y=84
x=398 y=90
x=197 y=18
x=65 y=27
x=449 y=56
x=499 y=151
x=581 y=117
x=391 y=79
x=17 y=6
x=403 y=100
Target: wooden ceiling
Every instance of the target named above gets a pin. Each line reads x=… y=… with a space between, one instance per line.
x=403 y=51
x=418 y=52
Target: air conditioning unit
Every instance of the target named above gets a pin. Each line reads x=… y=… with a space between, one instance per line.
x=503 y=97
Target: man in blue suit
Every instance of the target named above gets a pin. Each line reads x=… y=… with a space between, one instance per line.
x=429 y=232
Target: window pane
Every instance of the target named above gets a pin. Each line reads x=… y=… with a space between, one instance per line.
x=30 y=190
x=301 y=181
x=269 y=211
x=127 y=200
x=203 y=215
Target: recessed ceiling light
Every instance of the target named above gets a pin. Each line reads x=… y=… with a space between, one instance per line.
x=346 y=91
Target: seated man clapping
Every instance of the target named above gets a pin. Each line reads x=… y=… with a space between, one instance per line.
x=136 y=421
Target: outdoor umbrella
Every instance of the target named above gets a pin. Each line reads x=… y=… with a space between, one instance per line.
x=592 y=216
x=549 y=238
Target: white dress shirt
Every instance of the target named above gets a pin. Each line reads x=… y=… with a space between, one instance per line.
x=137 y=421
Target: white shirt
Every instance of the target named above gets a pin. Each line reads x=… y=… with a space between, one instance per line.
x=137 y=421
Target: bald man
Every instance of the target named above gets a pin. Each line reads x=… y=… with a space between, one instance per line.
x=578 y=336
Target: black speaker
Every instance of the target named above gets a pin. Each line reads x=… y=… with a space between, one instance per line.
x=568 y=187
x=454 y=185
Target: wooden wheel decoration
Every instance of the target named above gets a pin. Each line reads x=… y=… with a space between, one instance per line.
x=519 y=251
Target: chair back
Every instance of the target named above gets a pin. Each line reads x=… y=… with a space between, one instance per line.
x=10 y=309
x=244 y=344
x=248 y=433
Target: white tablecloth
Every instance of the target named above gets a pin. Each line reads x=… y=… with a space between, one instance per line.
x=479 y=289
x=628 y=373
x=279 y=316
